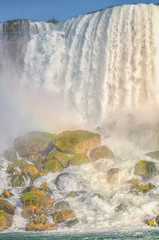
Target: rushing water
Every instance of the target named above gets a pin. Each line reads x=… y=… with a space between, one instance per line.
x=96 y=70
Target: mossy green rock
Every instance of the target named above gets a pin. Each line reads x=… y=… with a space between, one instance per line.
x=34 y=143
x=31 y=171
x=101 y=152
x=18 y=181
x=63 y=158
x=52 y=166
x=78 y=159
x=7 y=207
x=78 y=141
x=5 y=220
x=146 y=169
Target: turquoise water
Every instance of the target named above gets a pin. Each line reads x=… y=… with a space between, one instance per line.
x=146 y=235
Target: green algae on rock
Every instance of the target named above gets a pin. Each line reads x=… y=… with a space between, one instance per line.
x=63 y=158
x=78 y=141
x=5 y=220
x=63 y=216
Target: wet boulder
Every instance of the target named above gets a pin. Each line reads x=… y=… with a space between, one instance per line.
x=154 y=155
x=63 y=158
x=62 y=205
x=35 y=202
x=111 y=174
x=78 y=159
x=5 y=220
x=52 y=166
x=33 y=145
x=101 y=152
x=7 y=207
x=63 y=216
x=39 y=224
x=18 y=181
x=78 y=141
x=146 y=169
x=68 y=183
x=31 y=171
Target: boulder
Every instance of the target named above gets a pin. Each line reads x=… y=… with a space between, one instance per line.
x=72 y=194
x=18 y=181
x=63 y=216
x=67 y=182
x=5 y=220
x=133 y=182
x=31 y=171
x=78 y=159
x=150 y=223
x=6 y=194
x=70 y=223
x=101 y=152
x=35 y=202
x=146 y=169
x=78 y=141
x=52 y=166
x=7 y=207
x=39 y=227
x=111 y=174
x=18 y=163
x=33 y=144
x=157 y=220
x=154 y=155
x=62 y=205
x=144 y=188
x=63 y=158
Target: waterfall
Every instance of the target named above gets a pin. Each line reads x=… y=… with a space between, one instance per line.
x=95 y=64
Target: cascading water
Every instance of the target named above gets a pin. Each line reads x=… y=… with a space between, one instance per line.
x=99 y=69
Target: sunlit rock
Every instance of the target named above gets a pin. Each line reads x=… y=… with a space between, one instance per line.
x=63 y=216
x=78 y=141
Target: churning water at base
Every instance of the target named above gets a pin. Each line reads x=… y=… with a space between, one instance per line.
x=98 y=70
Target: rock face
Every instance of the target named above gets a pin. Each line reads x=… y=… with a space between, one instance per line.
x=78 y=141
x=34 y=143
x=146 y=169
x=63 y=216
x=101 y=152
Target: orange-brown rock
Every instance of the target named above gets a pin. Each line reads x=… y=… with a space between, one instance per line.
x=39 y=227
x=7 y=207
x=35 y=202
x=5 y=220
x=6 y=194
x=63 y=216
